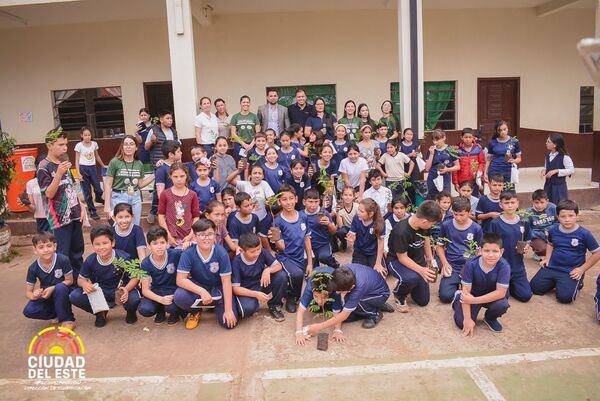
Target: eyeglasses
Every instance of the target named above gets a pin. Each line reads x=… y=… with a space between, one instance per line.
x=205 y=235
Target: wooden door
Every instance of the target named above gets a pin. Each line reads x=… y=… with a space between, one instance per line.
x=159 y=96
x=497 y=99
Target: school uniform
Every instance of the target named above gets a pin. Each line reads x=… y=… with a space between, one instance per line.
x=482 y=282
x=274 y=176
x=292 y=256
x=299 y=186
x=569 y=249
x=320 y=239
x=556 y=186
x=365 y=245
x=487 y=205
x=307 y=294
x=57 y=305
x=286 y=158
x=415 y=175
x=369 y=294
x=455 y=250
x=207 y=274
x=404 y=239
x=381 y=196
x=341 y=151
x=109 y=278
x=441 y=158
x=435 y=230
x=191 y=166
x=540 y=222
x=161 y=176
x=237 y=226
x=331 y=171
x=511 y=232
x=130 y=241
x=163 y=282
x=498 y=150
x=206 y=193
x=247 y=274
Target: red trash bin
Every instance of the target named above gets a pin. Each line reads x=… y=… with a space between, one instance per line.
x=25 y=170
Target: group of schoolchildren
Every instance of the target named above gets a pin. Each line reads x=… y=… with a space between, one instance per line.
x=264 y=226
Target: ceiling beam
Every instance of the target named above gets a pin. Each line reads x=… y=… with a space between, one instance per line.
x=553 y=6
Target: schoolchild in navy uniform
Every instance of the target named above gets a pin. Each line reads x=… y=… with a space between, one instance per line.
x=324 y=166
x=488 y=206
x=557 y=166
x=504 y=151
x=242 y=220
x=513 y=229
x=158 y=287
x=274 y=171
x=204 y=279
x=299 y=180
x=227 y=197
x=99 y=269
x=460 y=231
x=484 y=285
x=321 y=227
x=400 y=205
x=129 y=237
x=257 y=153
x=293 y=244
x=287 y=153
x=340 y=144
x=564 y=265
x=364 y=293
x=205 y=187
x=542 y=215
x=445 y=201
x=197 y=153
x=257 y=277
x=409 y=248
x=439 y=161
x=411 y=148
x=367 y=232
x=55 y=276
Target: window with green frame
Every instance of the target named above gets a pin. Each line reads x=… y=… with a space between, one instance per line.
x=440 y=103
x=287 y=94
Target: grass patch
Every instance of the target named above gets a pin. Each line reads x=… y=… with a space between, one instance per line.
x=13 y=253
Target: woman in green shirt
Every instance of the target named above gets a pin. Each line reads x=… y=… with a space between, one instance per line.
x=388 y=118
x=244 y=125
x=350 y=121
x=125 y=178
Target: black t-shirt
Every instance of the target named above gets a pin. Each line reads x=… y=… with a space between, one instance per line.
x=403 y=239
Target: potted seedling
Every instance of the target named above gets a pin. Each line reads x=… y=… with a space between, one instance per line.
x=433 y=265
x=275 y=231
x=132 y=269
x=327 y=184
x=523 y=216
x=321 y=280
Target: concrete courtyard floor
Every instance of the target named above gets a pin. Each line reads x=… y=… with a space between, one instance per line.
x=547 y=351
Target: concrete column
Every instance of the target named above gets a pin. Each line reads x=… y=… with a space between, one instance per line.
x=596 y=124
x=183 y=65
x=410 y=61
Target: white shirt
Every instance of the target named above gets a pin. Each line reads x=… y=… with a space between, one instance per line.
x=87 y=154
x=209 y=126
x=381 y=196
x=567 y=161
x=259 y=193
x=273 y=113
x=354 y=169
x=33 y=188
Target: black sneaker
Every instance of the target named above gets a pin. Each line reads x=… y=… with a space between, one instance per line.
x=276 y=313
x=94 y=216
x=160 y=317
x=371 y=322
x=493 y=324
x=100 y=201
x=387 y=308
x=173 y=319
x=131 y=317
x=100 y=319
x=290 y=304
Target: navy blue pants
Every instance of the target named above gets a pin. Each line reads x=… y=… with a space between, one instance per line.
x=149 y=308
x=556 y=192
x=448 y=287
x=89 y=179
x=79 y=299
x=210 y=149
x=341 y=234
x=69 y=242
x=295 y=274
x=519 y=287
x=42 y=224
x=432 y=189
x=597 y=299
x=57 y=306
x=410 y=283
x=363 y=259
x=368 y=307
x=494 y=310
x=247 y=306
x=192 y=302
x=547 y=279
x=324 y=256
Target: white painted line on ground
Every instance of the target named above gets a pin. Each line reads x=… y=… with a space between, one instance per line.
x=485 y=384
x=429 y=364
x=202 y=378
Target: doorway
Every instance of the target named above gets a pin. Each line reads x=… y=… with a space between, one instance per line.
x=159 y=96
x=497 y=99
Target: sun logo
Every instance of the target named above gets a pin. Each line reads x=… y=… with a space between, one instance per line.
x=56 y=341
x=56 y=353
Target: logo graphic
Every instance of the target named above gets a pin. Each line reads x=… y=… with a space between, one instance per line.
x=170 y=268
x=574 y=242
x=56 y=353
x=214 y=267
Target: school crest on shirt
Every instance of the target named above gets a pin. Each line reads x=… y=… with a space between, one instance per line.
x=470 y=237
x=346 y=148
x=213 y=267
x=302 y=184
x=212 y=190
x=303 y=226
x=371 y=230
x=574 y=241
x=293 y=157
x=170 y=268
x=280 y=172
x=58 y=273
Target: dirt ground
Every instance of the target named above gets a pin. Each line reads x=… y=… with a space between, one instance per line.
x=148 y=361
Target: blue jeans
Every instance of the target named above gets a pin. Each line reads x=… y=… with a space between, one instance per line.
x=135 y=201
x=69 y=242
x=89 y=179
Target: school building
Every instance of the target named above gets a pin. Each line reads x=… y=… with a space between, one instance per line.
x=448 y=64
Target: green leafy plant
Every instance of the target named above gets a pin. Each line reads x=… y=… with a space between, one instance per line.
x=129 y=267
x=53 y=135
x=524 y=214
x=254 y=158
x=452 y=151
x=320 y=283
x=472 y=249
x=237 y=139
x=326 y=182
x=7 y=166
x=155 y=120
x=13 y=253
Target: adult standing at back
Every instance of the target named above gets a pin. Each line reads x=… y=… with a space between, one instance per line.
x=504 y=151
x=320 y=120
x=273 y=115
x=301 y=110
x=245 y=125
x=207 y=126
x=223 y=117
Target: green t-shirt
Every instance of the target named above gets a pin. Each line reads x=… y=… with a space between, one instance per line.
x=352 y=127
x=125 y=174
x=392 y=124
x=245 y=125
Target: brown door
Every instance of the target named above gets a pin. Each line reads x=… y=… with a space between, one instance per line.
x=497 y=99
x=159 y=96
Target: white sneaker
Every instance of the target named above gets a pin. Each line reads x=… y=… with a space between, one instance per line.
x=402 y=306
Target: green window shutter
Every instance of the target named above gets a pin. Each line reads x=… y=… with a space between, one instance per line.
x=440 y=105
